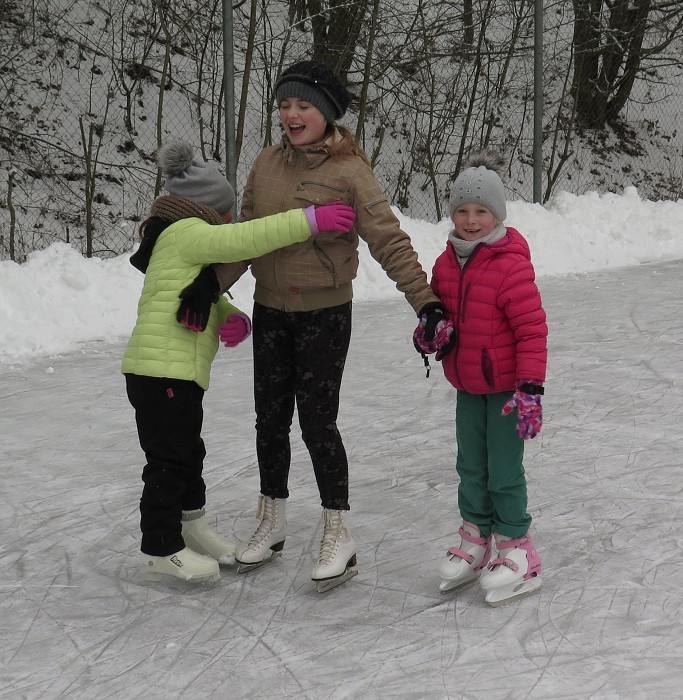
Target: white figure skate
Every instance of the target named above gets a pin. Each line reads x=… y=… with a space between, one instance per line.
x=199 y=537
x=267 y=542
x=464 y=562
x=337 y=552
x=514 y=574
x=185 y=565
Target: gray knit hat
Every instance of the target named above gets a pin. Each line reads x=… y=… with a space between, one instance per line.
x=193 y=179
x=315 y=83
x=480 y=183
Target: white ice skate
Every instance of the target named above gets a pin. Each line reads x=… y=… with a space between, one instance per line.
x=185 y=565
x=337 y=552
x=267 y=542
x=464 y=562
x=515 y=574
x=199 y=537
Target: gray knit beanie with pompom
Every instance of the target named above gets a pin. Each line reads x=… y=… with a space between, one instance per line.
x=193 y=179
x=480 y=183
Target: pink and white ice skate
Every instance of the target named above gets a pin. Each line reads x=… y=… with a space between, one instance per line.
x=514 y=574
x=464 y=562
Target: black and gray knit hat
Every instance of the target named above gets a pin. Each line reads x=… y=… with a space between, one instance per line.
x=315 y=83
x=193 y=179
x=480 y=182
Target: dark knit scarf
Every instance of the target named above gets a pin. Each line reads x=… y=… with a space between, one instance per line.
x=165 y=211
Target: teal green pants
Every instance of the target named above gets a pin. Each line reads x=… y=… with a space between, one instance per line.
x=492 y=491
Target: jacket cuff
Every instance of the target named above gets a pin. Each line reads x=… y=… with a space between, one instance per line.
x=431 y=306
x=532 y=388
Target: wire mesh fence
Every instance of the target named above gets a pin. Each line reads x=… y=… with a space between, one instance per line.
x=90 y=89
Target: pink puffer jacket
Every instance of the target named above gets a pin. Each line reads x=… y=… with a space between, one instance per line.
x=497 y=313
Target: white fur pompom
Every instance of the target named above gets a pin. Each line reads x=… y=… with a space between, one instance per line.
x=490 y=159
x=174 y=158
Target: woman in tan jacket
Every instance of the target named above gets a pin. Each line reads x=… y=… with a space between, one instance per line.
x=302 y=306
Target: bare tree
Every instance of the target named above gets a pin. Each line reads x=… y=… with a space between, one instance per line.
x=133 y=32
x=336 y=26
x=611 y=50
x=367 y=68
x=89 y=90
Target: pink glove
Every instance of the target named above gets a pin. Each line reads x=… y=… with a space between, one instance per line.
x=527 y=401
x=236 y=329
x=330 y=217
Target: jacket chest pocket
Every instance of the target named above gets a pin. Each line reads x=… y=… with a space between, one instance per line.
x=319 y=193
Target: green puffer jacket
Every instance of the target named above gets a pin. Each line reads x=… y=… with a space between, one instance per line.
x=159 y=346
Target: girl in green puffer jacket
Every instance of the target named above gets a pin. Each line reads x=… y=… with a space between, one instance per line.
x=167 y=366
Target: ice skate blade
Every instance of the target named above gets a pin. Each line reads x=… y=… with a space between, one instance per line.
x=509 y=594
x=329 y=583
x=450 y=586
x=244 y=567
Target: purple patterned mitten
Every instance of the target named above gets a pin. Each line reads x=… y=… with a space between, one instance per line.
x=529 y=411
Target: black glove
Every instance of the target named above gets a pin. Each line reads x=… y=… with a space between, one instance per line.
x=433 y=313
x=196 y=300
x=434 y=332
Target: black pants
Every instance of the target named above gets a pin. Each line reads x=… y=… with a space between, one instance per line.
x=169 y=416
x=299 y=357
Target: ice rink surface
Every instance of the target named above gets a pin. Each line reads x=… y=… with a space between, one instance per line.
x=605 y=490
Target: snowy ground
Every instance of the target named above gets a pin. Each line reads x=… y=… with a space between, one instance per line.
x=605 y=490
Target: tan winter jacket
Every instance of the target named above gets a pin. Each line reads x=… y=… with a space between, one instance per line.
x=318 y=273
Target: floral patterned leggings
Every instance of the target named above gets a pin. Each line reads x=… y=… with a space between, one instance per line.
x=300 y=357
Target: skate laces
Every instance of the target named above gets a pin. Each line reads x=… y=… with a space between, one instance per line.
x=332 y=530
x=267 y=516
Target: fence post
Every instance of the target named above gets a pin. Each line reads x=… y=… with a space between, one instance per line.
x=538 y=101
x=229 y=91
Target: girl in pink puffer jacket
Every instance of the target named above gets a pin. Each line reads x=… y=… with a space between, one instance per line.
x=493 y=346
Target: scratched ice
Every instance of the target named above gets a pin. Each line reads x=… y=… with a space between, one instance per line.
x=605 y=490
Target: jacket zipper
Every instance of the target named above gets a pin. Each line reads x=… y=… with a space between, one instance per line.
x=331 y=268
x=463 y=292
